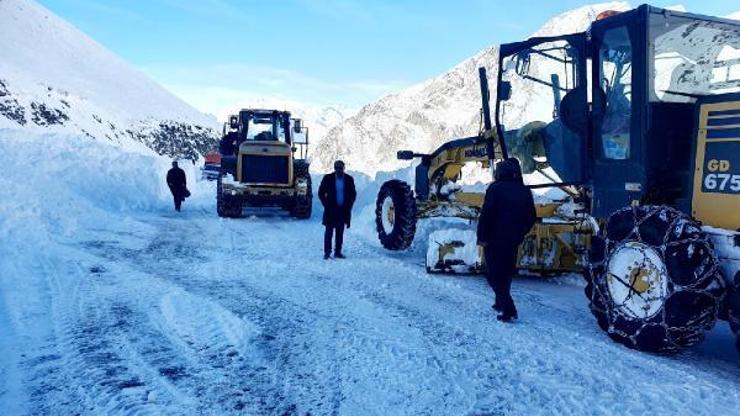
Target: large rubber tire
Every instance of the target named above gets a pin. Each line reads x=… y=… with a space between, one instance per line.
x=662 y=311
x=304 y=205
x=395 y=215
x=223 y=207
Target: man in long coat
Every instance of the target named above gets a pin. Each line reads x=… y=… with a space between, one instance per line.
x=337 y=194
x=508 y=214
x=178 y=185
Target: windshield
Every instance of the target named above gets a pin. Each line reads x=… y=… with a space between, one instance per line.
x=693 y=57
x=265 y=129
x=541 y=78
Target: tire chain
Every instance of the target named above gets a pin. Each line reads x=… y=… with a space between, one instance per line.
x=710 y=283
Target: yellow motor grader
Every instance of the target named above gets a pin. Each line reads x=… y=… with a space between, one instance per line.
x=636 y=123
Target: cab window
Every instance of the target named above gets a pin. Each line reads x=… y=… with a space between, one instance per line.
x=616 y=87
x=265 y=129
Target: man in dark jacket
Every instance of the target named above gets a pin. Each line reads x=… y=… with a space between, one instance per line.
x=337 y=194
x=178 y=185
x=507 y=215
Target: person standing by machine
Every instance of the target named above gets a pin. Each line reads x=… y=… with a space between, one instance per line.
x=508 y=214
x=337 y=194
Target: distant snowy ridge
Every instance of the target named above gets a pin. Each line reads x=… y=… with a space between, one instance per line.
x=426 y=115
x=735 y=15
x=54 y=78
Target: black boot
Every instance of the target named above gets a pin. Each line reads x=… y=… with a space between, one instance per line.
x=506 y=317
x=509 y=314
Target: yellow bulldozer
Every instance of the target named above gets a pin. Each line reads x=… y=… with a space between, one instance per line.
x=636 y=126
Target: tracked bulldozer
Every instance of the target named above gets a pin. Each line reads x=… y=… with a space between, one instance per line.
x=264 y=164
x=637 y=123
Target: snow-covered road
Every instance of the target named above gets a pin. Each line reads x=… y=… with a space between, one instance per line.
x=192 y=314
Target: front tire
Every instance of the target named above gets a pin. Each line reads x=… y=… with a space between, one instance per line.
x=653 y=279
x=395 y=215
x=224 y=208
x=304 y=204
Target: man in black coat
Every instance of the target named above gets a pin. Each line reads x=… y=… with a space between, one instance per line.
x=508 y=214
x=178 y=185
x=337 y=194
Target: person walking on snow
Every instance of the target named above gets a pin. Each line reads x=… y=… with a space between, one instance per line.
x=178 y=185
x=337 y=194
x=508 y=214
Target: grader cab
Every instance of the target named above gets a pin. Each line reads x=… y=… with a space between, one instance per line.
x=642 y=116
x=638 y=120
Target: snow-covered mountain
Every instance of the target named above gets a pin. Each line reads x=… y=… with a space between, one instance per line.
x=426 y=115
x=54 y=78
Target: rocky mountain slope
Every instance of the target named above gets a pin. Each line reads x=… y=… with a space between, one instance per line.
x=54 y=78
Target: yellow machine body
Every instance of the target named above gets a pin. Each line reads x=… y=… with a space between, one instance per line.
x=557 y=243
x=266 y=149
x=716 y=188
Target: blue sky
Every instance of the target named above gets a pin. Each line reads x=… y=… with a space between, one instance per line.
x=215 y=53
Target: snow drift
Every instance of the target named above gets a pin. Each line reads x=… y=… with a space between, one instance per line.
x=57 y=185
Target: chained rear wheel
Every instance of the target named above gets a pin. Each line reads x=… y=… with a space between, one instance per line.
x=395 y=215
x=733 y=307
x=653 y=279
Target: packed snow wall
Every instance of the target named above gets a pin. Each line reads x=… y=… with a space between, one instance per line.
x=56 y=185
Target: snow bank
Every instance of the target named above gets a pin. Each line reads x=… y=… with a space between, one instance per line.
x=57 y=185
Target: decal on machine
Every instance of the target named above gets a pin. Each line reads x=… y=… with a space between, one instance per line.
x=475 y=152
x=721 y=168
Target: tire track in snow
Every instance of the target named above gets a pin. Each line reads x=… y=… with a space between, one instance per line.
x=265 y=384
x=247 y=277
x=82 y=369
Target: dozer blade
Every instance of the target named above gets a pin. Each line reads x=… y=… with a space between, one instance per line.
x=454 y=251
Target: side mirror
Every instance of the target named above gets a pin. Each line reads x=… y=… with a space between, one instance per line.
x=297 y=125
x=504 y=91
x=234 y=122
x=300 y=136
x=405 y=155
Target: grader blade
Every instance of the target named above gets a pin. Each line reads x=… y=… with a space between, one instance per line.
x=454 y=251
